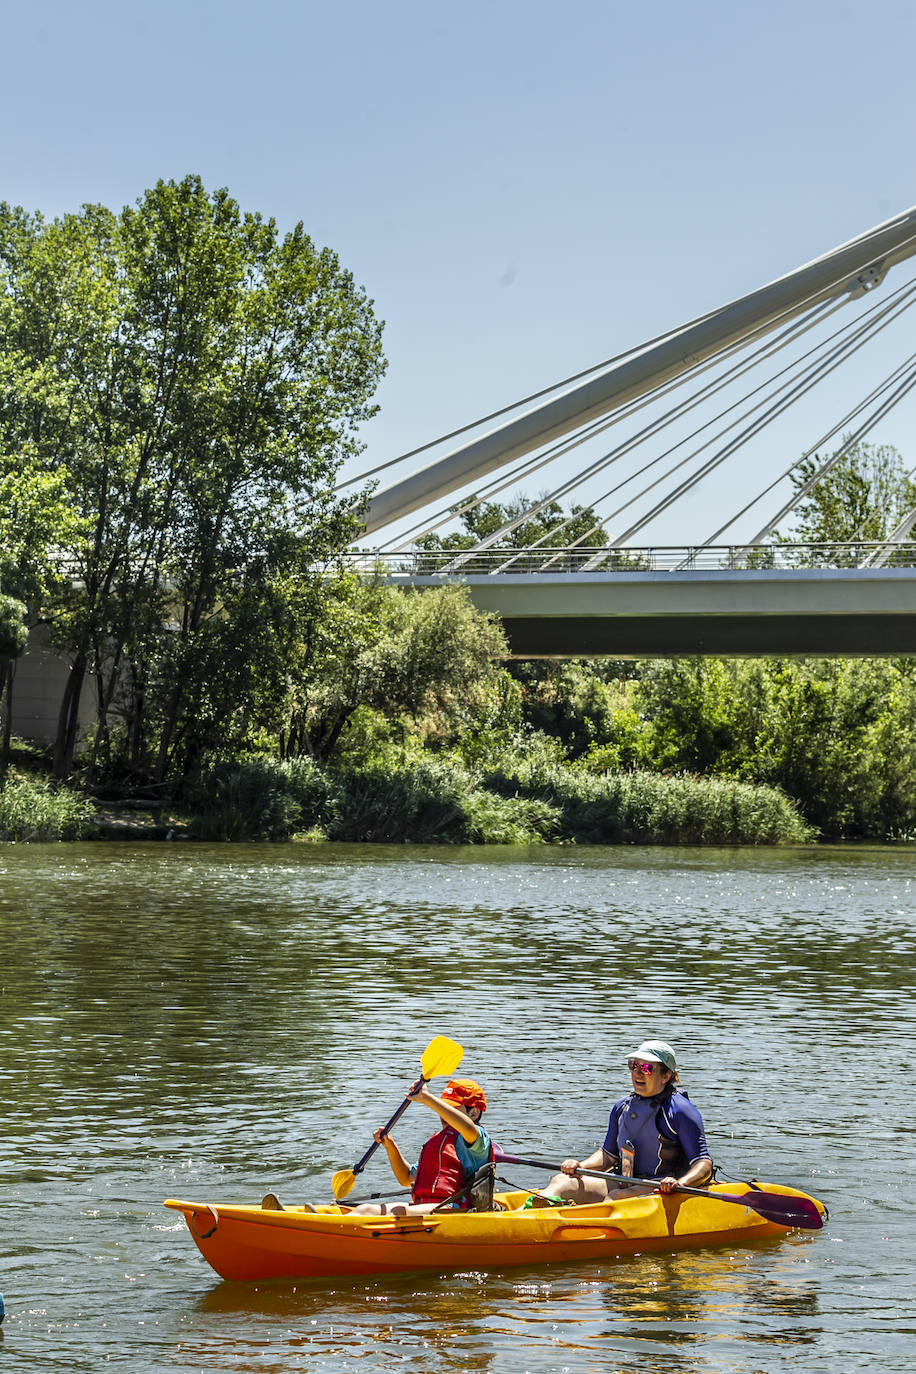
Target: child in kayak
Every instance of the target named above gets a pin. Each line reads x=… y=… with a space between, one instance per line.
x=451 y=1156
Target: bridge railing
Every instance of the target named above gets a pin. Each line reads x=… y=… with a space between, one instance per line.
x=662 y=558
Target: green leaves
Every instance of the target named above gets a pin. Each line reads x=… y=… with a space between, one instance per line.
x=863 y=498
x=179 y=384
x=396 y=652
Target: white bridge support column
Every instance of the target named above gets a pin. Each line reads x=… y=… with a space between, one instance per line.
x=854 y=267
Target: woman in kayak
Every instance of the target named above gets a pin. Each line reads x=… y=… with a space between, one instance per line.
x=654 y=1132
x=449 y=1159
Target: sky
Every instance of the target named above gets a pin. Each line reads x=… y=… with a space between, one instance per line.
x=523 y=189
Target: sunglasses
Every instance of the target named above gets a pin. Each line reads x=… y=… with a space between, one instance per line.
x=643 y=1065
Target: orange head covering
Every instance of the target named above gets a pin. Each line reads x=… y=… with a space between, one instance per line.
x=466 y=1093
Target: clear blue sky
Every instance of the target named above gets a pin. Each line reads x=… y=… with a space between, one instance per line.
x=523 y=189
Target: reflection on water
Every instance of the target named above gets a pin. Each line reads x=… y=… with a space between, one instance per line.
x=213 y=1022
x=654 y=1311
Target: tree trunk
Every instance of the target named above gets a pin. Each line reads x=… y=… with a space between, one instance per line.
x=106 y=697
x=169 y=725
x=68 y=720
x=6 y=700
x=135 y=724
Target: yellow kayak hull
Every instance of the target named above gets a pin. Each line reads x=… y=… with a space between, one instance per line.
x=248 y=1243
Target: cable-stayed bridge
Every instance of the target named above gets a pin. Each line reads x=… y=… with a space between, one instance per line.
x=684 y=429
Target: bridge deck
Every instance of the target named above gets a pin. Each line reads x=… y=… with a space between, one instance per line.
x=782 y=612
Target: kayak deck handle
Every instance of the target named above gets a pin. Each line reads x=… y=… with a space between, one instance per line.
x=204 y=1235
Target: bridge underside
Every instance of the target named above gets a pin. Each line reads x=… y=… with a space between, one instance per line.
x=717 y=636
x=809 y=612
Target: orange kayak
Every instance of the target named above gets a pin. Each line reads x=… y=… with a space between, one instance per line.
x=247 y=1242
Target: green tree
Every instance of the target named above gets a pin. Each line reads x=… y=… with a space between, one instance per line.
x=200 y=378
x=863 y=498
x=537 y=528
x=580 y=702
x=836 y=735
x=35 y=520
x=839 y=735
x=14 y=635
x=701 y=714
x=397 y=652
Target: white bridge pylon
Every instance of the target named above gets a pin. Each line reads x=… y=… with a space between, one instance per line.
x=791 y=304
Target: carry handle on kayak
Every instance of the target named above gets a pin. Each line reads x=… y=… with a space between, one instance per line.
x=785 y=1211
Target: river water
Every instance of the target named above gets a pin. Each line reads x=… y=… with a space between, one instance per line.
x=213 y=1022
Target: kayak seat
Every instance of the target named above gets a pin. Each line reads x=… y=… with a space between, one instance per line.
x=478 y=1190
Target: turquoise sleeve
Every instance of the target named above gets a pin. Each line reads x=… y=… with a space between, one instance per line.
x=473 y=1156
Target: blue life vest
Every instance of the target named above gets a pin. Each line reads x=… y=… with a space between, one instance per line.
x=645 y=1135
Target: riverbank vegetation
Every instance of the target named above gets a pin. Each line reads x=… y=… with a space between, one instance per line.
x=439 y=800
x=37 y=809
x=180 y=385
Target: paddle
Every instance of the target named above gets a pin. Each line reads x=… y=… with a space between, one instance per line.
x=441 y=1056
x=374 y=1197
x=785 y=1211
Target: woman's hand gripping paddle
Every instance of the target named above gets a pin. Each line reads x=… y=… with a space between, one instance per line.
x=441 y=1057
x=785 y=1211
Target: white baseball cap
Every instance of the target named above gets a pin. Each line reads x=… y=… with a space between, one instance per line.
x=656 y=1051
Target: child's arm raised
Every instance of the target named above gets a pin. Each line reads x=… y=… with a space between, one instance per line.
x=451 y=1114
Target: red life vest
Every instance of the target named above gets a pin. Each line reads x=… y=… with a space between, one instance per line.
x=439 y=1171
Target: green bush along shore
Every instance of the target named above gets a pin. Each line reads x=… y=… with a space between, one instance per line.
x=36 y=809
x=435 y=801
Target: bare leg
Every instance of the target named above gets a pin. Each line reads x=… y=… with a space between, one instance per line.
x=397 y=1209
x=576 y=1189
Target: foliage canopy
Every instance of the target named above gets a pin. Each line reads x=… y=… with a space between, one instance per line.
x=183 y=382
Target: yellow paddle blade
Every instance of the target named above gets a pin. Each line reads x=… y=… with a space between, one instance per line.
x=441 y=1057
x=342 y=1183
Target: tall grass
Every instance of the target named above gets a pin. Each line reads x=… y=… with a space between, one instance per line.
x=652 y=808
x=426 y=801
x=33 y=809
x=436 y=800
x=421 y=803
x=263 y=799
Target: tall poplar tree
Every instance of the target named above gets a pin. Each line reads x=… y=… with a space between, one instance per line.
x=198 y=377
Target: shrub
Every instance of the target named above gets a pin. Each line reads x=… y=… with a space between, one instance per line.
x=651 y=808
x=34 y=809
x=424 y=802
x=531 y=799
x=262 y=799
x=437 y=801
x=491 y=819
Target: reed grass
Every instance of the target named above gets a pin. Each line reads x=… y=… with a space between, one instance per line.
x=426 y=801
x=35 y=809
x=437 y=800
x=434 y=802
x=263 y=799
x=653 y=808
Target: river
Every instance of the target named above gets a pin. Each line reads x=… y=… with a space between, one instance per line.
x=212 y=1022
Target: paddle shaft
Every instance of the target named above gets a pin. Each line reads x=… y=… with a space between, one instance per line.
x=395 y=1116
x=373 y=1197
x=774 y=1206
x=503 y=1158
